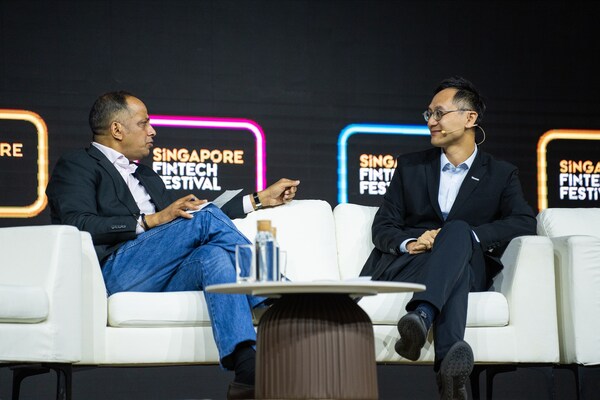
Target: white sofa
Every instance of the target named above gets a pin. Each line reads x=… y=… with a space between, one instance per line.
x=174 y=328
x=575 y=234
x=515 y=323
x=40 y=302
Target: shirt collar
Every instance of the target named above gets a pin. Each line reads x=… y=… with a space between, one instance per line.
x=468 y=162
x=117 y=159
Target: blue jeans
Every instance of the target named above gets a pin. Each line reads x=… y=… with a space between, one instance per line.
x=189 y=254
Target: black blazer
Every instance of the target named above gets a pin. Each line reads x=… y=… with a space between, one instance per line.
x=88 y=192
x=490 y=200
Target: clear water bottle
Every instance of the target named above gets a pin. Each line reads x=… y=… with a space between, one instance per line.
x=265 y=252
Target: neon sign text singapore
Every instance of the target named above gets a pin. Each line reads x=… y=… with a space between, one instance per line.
x=385 y=163
x=203 y=170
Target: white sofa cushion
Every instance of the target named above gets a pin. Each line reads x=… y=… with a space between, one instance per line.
x=144 y=310
x=555 y=222
x=486 y=309
x=353 y=232
x=23 y=304
x=306 y=231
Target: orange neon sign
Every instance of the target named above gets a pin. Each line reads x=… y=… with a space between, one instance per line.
x=542 y=164
x=39 y=204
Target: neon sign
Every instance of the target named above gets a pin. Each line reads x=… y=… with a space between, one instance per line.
x=366 y=129
x=223 y=123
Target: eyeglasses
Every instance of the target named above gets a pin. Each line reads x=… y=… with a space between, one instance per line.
x=438 y=114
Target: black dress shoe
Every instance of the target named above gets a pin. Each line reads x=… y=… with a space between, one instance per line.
x=454 y=372
x=413 y=334
x=240 y=391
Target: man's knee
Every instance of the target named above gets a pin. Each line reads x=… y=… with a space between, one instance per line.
x=216 y=212
x=211 y=262
x=212 y=213
x=457 y=227
x=455 y=233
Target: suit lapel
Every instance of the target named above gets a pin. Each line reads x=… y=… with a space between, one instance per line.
x=474 y=175
x=432 y=172
x=155 y=192
x=121 y=189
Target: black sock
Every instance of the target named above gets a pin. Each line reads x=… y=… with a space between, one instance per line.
x=244 y=358
x=430 y=312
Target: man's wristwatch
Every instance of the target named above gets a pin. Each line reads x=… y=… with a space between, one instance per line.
x=257 y=202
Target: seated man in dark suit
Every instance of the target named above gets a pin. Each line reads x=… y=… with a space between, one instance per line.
x=446 y=218
x=145 y=240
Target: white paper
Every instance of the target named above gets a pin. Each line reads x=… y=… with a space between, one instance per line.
x=219 y=201
x=225 y=197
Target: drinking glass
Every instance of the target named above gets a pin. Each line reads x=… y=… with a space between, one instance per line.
x=282 y=266
x=245 y=265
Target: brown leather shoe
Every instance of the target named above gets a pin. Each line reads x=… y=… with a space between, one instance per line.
x=240 y=391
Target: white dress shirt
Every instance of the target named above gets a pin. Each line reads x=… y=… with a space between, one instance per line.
x=451 y=178
x=126 y=169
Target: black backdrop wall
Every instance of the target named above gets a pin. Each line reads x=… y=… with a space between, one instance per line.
x=303 y=70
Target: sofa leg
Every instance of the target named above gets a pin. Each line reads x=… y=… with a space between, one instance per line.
x=64 y=376
x=63 y=383
x=578 y=374
x=22 y=372
x=474 y=378
x=491 y=372
x=578 y=380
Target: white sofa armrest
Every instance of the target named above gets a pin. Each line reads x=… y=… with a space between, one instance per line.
x=48 y=258
x=95 y=304
x=578 y=296
x=528 y=283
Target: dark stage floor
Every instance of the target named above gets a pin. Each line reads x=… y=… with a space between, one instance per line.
x=209 y=382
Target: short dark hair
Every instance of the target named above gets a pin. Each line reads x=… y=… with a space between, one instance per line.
x=466 y=92
x=104 y=109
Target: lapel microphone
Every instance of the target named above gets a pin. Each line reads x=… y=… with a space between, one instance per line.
x=446 y=133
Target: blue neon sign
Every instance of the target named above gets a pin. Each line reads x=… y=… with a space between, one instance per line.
x=366 y=129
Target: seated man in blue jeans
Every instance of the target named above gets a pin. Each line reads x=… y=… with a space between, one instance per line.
x=148 y=242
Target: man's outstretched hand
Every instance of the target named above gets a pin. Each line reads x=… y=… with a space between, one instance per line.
x=282 y=191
